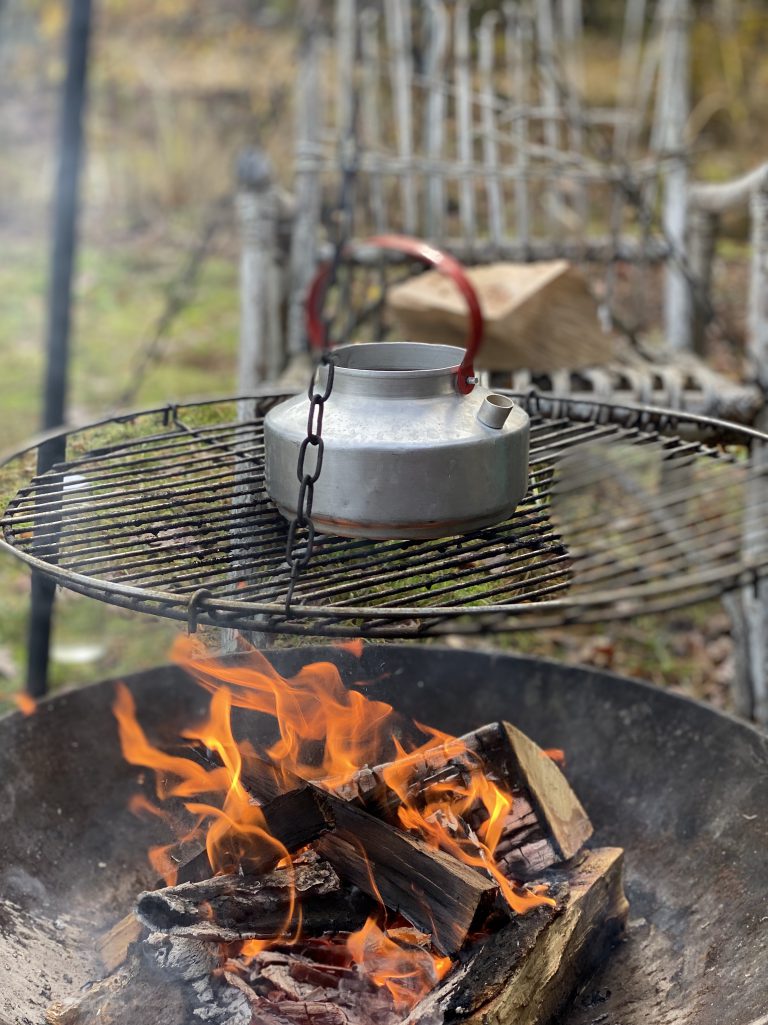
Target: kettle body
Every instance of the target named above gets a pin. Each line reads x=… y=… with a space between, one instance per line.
x=405 y=453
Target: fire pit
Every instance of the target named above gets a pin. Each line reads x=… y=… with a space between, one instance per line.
x=681 y=787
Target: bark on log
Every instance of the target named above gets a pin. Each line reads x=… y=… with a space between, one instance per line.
x=231 y=907
x=527 y=971
x=431 y=889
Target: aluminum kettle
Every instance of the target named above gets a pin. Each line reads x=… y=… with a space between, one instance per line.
x=412 y=446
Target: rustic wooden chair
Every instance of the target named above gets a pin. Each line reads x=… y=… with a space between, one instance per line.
x=470 y=128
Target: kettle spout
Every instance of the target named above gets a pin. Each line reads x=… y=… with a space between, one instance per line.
x=494 y=410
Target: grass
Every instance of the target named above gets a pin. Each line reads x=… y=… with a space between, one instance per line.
x=119 y=296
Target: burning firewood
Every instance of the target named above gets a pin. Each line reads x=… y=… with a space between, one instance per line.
x=293 y=818
x=546 y=823
x=410 y=899
x=431 y=889
x=231 y=908
x=524 y=973
x=544 y=956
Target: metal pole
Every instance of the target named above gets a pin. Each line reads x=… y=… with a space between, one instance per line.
x=59 y=308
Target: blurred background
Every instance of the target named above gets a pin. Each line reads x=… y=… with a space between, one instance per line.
x=177 y=89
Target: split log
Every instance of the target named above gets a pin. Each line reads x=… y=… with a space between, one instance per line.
x=114 y=944
x=434 y=891
x=547 y=823
x=557 y=806
x=539 y=316
x=298 y=817
x=229 y=908
x=527 y=971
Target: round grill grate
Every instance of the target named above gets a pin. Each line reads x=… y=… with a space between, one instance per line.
x=164 y=511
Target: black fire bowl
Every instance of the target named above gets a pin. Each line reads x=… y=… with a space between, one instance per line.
x=683 y=788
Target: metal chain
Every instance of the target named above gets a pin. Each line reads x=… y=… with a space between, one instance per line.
x=299 y=551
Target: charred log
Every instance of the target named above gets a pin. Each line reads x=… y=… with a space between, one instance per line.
x=433 y=890
x=229 y=908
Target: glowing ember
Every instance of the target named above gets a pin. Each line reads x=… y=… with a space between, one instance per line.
x=354 y=647
x=327 y=733
x=407 y=972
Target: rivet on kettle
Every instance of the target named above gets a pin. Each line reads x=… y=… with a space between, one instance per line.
x=494 y=410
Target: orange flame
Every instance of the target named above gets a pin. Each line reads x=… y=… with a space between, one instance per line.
x=312 y=707
x=163 y=857
x=408 y=973
x=236 y=830
x=446 y=803
x=25 y=703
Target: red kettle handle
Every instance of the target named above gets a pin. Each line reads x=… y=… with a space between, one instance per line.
x=433 y=257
